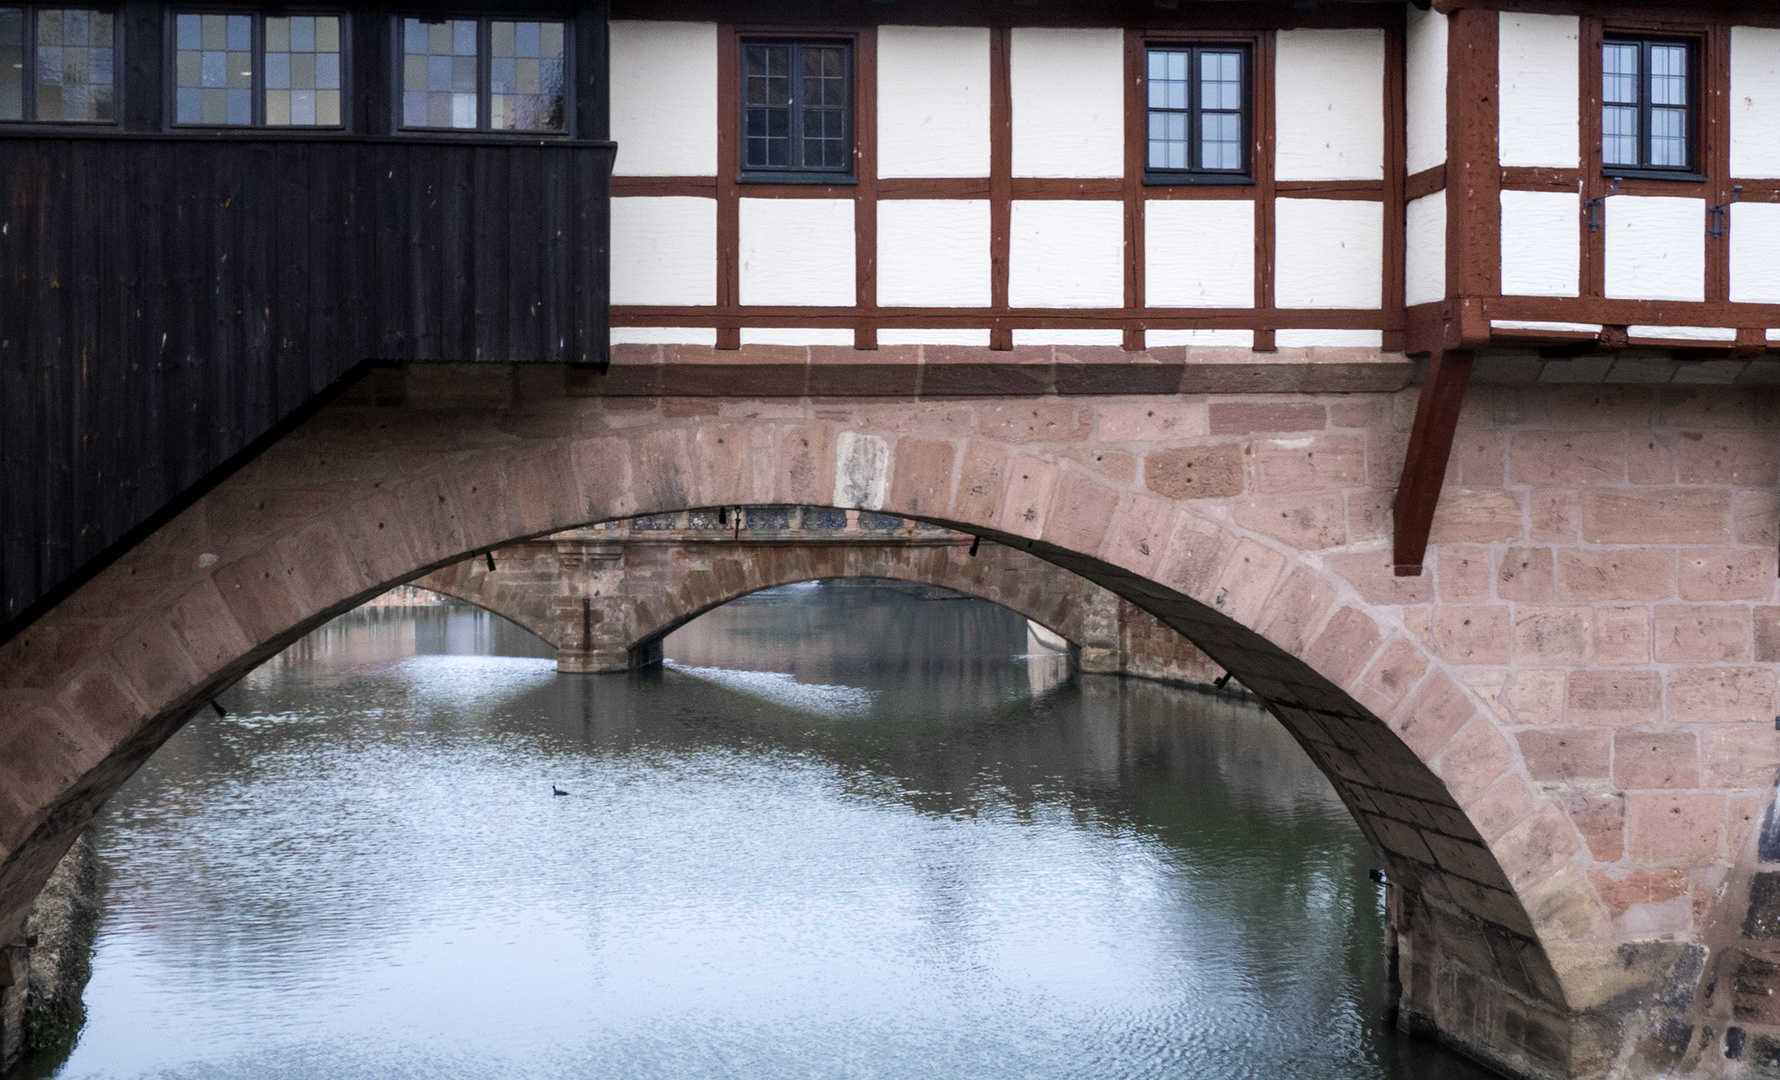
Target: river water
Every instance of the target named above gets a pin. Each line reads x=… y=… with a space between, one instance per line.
x=844 y=832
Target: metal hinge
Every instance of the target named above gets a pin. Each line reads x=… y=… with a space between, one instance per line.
x=1719 y=227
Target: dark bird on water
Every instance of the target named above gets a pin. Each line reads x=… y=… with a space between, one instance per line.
x=554 y=790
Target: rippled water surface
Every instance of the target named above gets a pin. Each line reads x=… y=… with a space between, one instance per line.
x=846 y=832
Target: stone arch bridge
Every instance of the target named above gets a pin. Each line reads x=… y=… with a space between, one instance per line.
x=606 y=596
x=1559 y=737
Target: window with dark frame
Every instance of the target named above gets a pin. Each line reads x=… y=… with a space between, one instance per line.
x=484 y=74
x=235 y=69
x=1649 y=110
x=58 y=65
x=797 y=108
x=1197 y=112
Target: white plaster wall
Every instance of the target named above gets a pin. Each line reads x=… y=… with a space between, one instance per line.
x=1092 y=336
x=979 y=338
x=1066 y=254
x=1755 y=102
x=1068 y=90
x=664 y=250
x=933 y=101
x=664 y=335
x=1243 y=339
x=1328 y=253
x=664 y=98
x=1539 y=81
x=933 y=252
x=1656 y=248
x=1755 y=253
x=1541 y=243
x=797 y=252
x=1425 y=85
x=1424 y=249
x=1199 y=253
x=1329 y=87
x=797 y=335
x=1328 y=339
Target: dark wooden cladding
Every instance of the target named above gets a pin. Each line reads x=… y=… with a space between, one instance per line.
x=166 y=300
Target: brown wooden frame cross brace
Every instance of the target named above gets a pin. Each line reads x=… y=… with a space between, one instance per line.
x=1424 y=466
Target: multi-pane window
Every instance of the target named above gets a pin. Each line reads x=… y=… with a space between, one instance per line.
x=57 y=65
x=232 y=70
x=1197 y=115
x=797 y=107
x=499 y=74
x=1647 y=104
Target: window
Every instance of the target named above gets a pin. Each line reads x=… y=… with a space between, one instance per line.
x=57 y=65
x=797 y=109
x=1647 y=105
x=1197 y=118
x=240 y=70
x=495 y=74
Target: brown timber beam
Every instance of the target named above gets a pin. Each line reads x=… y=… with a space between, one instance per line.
x=1424 y=466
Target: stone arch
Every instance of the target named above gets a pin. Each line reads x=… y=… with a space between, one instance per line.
x=1500 y=937
x=519 y=588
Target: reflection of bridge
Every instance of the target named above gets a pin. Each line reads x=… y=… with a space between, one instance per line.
x=605 y=596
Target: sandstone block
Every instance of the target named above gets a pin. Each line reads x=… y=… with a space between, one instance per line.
x=1669 y=829
x=1647 y=759
x=1653 y=459
x=1306 y=522
x=1689 y=633
x=1195 y=472
x=1553 y=635
x=1737 y=458
x=1618 y=574
x=1757 y=517
x=981 y=481
x=1399 y=666
x=1345 y=645
x=1656 y=516
x=1721 y=695
x=1031 y=484
x=1536 y=848
x=921 y=485
x=1463 y=571
x=1554 y=515
x=1310 y=463
x=1727 y=574
x=1473 y=760
x=1567 y=755
x=1476 y=516
x=1295 y=610
x=1622 y=635
x=1139 y=534
x=1637 y=887
x=1167 y=422
x=1266 y=416
x=258 y=593
x=1478 y=454
x=1566 y=458
x=1615 y=698
x=1740 y=755
x=1434 y=714
x=1600 y=820
x=1246 y=580
x=1081 y=515
x=1474 y=634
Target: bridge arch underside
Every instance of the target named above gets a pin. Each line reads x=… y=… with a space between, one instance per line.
x=1502 y=947
x=612 y=615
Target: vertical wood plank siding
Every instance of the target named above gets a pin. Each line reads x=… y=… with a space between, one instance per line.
x=167 y=300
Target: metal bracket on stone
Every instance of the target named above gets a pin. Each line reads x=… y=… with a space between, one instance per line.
x=1424 y=466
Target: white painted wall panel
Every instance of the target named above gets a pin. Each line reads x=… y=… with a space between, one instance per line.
x=1755 y=102
x=1093 y=336
x=1243 y=339
x=664 y=250
x=1068 y=102
x=979 y=338
x=797 y=252
x=664 y=98
x=933 y=252
x=1538 y=110
x=1330 y=105
x=1755 y=253
x=1656 y=248
x=796 y=335
x=1199 y=253
x=1425 y=81
x=1424 y=249
x=1329 y=253
x=1066 y=254
x=933 y=101
x=1329 y=339
x=1541 y=243
x=664 y=335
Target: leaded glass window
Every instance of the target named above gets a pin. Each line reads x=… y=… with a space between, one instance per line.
x=57 y=65
x=303 y=71
x=797 y=106
x=525 y=76
x=1197 y=110
x=1647 y=105
x=239 y=70
x=439 y=73
x=495 y=74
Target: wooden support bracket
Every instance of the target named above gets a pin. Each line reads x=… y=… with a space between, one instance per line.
x=1424 y=466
